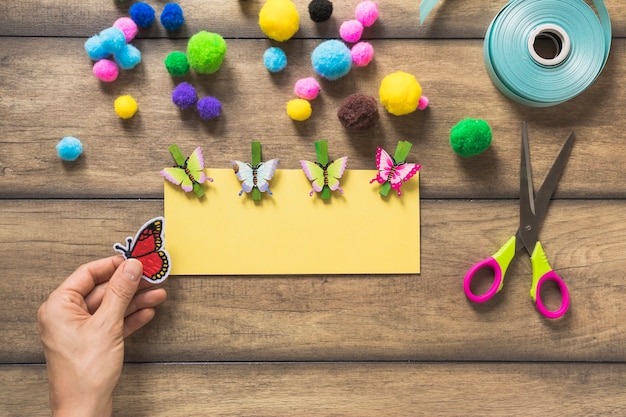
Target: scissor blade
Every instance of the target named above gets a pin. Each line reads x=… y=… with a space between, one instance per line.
x=526 y=189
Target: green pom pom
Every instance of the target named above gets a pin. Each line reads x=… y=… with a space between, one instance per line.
x=470 y=137
x=177 y=64
x=206 y=51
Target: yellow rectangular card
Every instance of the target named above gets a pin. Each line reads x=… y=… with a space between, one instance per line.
x=290 y=232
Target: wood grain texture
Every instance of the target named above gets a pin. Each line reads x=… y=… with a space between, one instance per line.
x=366 y=345
x=339 y=318
x=348 y=389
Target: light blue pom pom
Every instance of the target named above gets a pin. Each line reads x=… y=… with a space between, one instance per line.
x=128 y=57
x=112 y=39
x=94 y=49
x=69 y=148
x=331 y=59
x=274 y=59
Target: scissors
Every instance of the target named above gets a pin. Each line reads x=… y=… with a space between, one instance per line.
x=532 y=212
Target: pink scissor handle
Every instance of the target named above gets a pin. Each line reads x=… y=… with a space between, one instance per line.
x=498 y=263
x=552 y=276
x=492 y=264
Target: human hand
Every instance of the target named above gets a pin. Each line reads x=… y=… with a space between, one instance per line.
x=82 y=326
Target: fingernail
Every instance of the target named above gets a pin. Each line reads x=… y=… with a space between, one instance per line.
x=132 y=269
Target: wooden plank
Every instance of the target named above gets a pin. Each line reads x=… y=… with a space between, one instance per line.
x=122 y=158
x=346 y=389
x=398 y=19
x=338 y=318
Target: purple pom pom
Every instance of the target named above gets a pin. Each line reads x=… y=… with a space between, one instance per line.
x=184 y=96
x=209 y=107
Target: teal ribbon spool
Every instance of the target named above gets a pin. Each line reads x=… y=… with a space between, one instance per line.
x=581 y=39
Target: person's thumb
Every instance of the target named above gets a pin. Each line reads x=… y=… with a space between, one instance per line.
x=121 y=289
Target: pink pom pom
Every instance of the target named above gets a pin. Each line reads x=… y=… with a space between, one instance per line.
x=307 y=88
x=106 y=70
x=128 y=26
x=367 y=12
x=351 y=30
x=362 y=53
x=422 y=103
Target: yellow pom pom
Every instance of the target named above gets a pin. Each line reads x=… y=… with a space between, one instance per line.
x=400 y=93
x=299 y=109
x=125 y=107
x=279 y=19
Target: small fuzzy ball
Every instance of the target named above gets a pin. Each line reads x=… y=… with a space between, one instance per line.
x=351 y=31
x=112 y=39
x=69 y=148
x=209 y=107
x=362 y=54
x=142 y=14
x=366 y=12
x=106 y=70
x=206 y=52
x=331 y=59
x=299 y=109
x=184 y=96
x=128 y=57
x=279 y=19
x=358 y=112
x=400 y=93
x=320 y=10
x=274 y=59
x=307 y=88
x=94 y=49
x=125 y=107
x=128 y=26
x=470 y=137
x=423 y=103
x=172 y=17
x=177 y=64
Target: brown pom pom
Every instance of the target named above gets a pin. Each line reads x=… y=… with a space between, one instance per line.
x=358 y=112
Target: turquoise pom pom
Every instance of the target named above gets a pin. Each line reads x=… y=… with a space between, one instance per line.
x=94 y=49
x=128 y=57
x=331 y=59
x=112 y=39
x=69 y=148
x=274 y=59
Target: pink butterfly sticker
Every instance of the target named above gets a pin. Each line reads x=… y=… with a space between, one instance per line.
x=390 y=171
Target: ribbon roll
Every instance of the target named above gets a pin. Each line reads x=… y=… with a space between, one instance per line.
x=581 y=41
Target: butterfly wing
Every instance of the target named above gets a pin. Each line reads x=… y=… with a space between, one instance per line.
x=403 y=172
x=195 y=165
x=314 y=173
x=244 y=173
x=384 y=163
x=335 y=171
x=265 y=172
x=147 y=247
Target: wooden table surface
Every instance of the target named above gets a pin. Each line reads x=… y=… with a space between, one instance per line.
x=389 y=345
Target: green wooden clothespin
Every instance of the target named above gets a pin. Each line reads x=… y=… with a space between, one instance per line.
x=256 y=161
x=181 y=161
x=402 y=151
x=321 y=149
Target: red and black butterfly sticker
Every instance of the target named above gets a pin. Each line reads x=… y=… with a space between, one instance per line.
x=148 y=248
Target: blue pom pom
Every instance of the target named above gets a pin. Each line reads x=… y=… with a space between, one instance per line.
x=172 y=17
x=142 y=14
x=94 y=49
x=128 y=57
x=331 y=59
x=69 y=148
x=112 y=39
x=274 y=59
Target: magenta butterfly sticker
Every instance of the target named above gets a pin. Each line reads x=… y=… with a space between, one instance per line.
x=392 y=172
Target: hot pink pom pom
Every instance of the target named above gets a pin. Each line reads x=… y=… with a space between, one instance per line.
x=307 y=88
x=362 y=53
x=367 y=12
x=422 y=103
x=106 y=70
x=351 y=31
x=128 y=26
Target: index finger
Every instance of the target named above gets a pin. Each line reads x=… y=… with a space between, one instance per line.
x=85 y=278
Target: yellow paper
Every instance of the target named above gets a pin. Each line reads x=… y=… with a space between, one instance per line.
x=358 y=232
